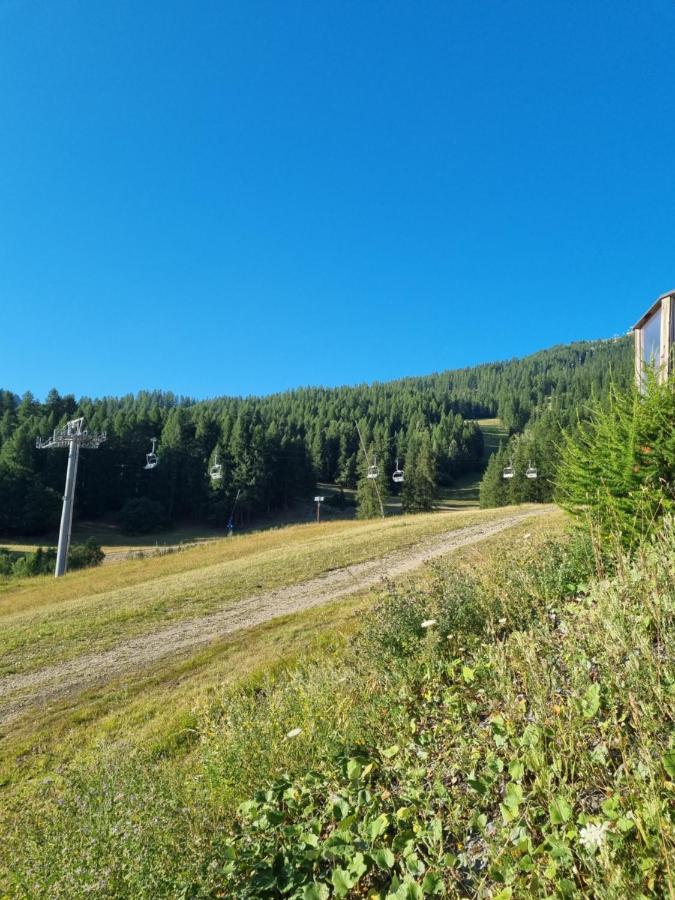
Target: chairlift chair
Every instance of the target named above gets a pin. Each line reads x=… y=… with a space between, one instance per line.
x=216 y=470
x=151 y=457
x=509 y=471
x=531 y=471
x=373 y=471
x=398 y=474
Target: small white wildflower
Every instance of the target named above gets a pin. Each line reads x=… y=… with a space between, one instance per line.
x=527 y=536
x=502 y=621
x=592 y=836
x=428 y=623
x=294 y=732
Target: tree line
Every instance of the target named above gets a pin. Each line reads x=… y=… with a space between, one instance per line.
x=541 y=436
x=274 y=449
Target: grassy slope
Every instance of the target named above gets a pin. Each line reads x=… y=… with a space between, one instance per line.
x=464 y=493
x=552 y=720
x=45 y=620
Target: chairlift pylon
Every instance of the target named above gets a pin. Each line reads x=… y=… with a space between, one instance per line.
x=151 y=457
x=509 y=471
x=398 y=474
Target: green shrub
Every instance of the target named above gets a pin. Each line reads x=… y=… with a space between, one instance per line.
x=82 y=556
x=618 y=468
x=40 y=562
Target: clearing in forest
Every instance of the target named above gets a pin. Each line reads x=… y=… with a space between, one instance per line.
x=59 y=638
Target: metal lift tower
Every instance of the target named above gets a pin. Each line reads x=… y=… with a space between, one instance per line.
x=73 y=435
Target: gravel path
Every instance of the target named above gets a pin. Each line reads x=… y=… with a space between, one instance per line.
x=18 y=692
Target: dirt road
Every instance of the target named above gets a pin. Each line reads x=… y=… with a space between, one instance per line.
x=18 y=692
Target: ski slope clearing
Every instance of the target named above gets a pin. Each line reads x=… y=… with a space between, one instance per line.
x=75 y=665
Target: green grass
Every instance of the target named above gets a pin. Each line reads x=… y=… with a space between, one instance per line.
x=465 y=492
x=521 y=746
x=44 y=621
x=494 y=433
x=153 y=710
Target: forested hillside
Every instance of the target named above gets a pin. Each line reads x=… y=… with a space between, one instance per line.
x=274 y=449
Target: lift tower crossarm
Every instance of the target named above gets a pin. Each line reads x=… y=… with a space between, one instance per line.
x=74 y=436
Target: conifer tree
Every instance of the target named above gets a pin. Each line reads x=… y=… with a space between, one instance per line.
x=420 y=485
x=370 y=492
x=493 y=489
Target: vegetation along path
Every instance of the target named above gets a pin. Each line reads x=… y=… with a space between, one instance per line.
x=22 y=690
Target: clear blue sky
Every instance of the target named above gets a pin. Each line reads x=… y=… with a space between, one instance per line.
x=215 y=197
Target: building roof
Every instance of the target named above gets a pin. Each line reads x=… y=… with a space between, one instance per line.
x=652 y=309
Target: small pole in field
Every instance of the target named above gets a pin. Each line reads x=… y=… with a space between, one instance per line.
x=318 y=501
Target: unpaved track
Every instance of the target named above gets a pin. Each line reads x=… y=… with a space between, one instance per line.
x=18 y=692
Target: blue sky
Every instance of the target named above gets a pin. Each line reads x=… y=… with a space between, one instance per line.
x=218 y=198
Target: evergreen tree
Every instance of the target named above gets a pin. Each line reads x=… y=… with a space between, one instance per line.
x=618 y=467
x=420 y=487
x=370 y=492
x=271 y=443
x=493 y=489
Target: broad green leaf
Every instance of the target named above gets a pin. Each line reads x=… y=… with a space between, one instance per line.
x=610 y=807
x=316 y=891
x=432 y=883
x=516 y=770
x=409 y=890
x=248 y=808
x=377 y=826
x=513 y=795
x=509 y=813
x=342 y=882
x=390 y=752
x=669 y=762
x=478 y=785
x=468 y=674
x=384 y=858
x=559 y=811
x=354 y=770
x=357 y=867
x=414 y=864
x=591 y=701
x=340 y=807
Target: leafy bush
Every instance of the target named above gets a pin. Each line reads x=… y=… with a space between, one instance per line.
x=43 y=560
x=82 y=556
x=142 y=516
x=618 y=468
x=6 y=561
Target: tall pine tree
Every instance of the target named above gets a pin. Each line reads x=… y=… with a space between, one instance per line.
x=420 y=487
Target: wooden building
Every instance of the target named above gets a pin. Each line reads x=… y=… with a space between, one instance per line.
x=655 y=338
